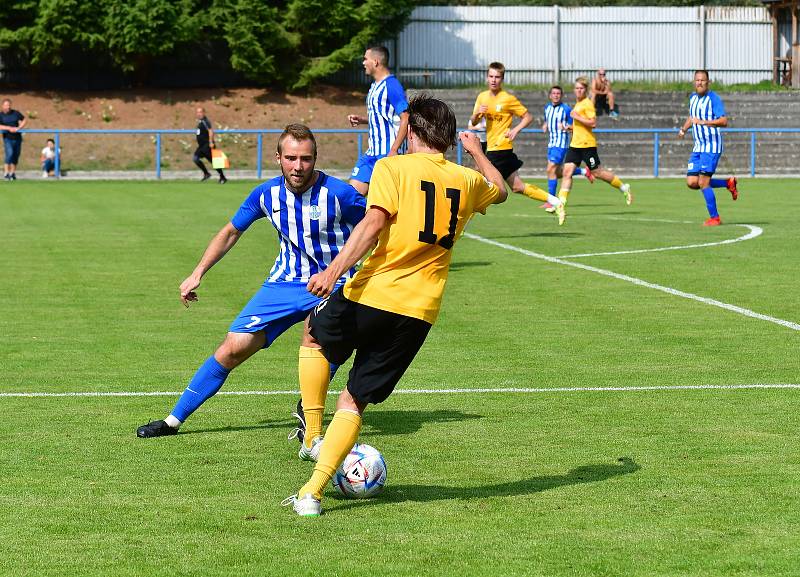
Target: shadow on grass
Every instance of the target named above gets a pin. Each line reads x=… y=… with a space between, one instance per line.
x=469 y=264
x=422 y=493
x=375 y=422
x=542 y=235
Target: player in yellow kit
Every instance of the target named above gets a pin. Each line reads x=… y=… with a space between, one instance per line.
x=499 y=108
x=419 y=204
x=583 y=148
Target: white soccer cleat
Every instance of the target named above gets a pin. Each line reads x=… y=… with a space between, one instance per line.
x=561 y=213
x=312 y=454
x=626 y=190
x=306 y=506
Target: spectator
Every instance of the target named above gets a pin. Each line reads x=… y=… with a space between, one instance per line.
x=602 y=95
x=10 y=122
x=49 y=158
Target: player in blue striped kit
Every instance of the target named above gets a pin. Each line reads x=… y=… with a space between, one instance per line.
x=706 y=117
x=386 y=116
x=313 y=214
x=556 y=119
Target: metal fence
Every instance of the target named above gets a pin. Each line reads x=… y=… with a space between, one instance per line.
x=656 y=133
x=452 y=45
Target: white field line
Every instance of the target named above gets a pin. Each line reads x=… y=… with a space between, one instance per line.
x=465 y=391
x=754 y=232
x=675 y=292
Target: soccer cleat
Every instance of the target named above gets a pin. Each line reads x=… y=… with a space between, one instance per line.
x=626 y=190
x=588 y=174
x=45 y=175
x=299 y=432
x=222 y=180
x=614 y=114
x=206 y=176
x=731 y=186
x=546 y=205
x=307 y=506
x=156 y=429
x=12 y=176
x=551 y=209
x=312 y=454
x=713 y=221
x=561 y=213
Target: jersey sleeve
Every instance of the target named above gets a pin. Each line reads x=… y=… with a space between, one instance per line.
x=207 y=122
x=477 y=105
x=384 y=189
x=484 y=192
x=516 y=107
x=567 y=114
x=250 y=211
x=396 y=95
x=717 y=106
x=352 y=203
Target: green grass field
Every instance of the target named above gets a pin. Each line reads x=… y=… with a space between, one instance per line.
x=656 y=482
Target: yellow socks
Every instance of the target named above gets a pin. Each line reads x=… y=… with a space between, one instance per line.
x=340 y=437
x=563 y=194
x=616 y=183
x=535 y=193
x=314 y=373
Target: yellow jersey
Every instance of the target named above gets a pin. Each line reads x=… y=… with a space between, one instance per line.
x=428 y=201
x=502 y=109
x=582 y=136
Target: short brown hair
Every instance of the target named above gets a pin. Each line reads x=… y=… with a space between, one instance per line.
x=499 y=67
x=432 y=121
x=702 y=71
x=582 y=80
x=381 y=54
x=555 y=87
x=299 y=132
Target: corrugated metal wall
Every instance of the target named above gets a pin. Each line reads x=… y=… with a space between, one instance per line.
x=542 y=44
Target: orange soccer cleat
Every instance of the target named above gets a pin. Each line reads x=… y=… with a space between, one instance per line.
x=713 y=221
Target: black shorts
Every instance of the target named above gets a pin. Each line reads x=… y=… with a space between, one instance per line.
x=385 y=343
x=587 y=155
x=505 y=161
x=203 y=151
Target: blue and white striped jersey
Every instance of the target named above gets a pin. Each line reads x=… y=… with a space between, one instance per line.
x=312 y=226
x=386 y=100
x=706 y=107
x=554 y=116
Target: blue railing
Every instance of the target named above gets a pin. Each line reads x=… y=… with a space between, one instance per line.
x=157 y=133
x=657 y=132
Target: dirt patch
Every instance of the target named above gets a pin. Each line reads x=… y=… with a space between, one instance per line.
x=249 y=108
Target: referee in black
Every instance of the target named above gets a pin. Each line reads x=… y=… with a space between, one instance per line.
x=205 y=142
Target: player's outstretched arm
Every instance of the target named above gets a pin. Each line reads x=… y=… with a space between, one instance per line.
x=222 y=242
x=362 y=239
x=472 y=145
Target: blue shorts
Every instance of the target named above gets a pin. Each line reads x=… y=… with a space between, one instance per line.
x=362 y=171
x=704 y=163
x=274 y=308
x=12 y=149
x=556 y=155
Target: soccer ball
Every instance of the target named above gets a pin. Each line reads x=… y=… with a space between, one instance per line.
x=362 y=474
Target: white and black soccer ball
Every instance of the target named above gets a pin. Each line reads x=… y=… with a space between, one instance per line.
x=362 y=474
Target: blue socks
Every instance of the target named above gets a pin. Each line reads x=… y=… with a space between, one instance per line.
x=711 y=201
x=206 y=382
x=334 y=368
x=719 y=183
x=579 y=172
x=552 y=186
